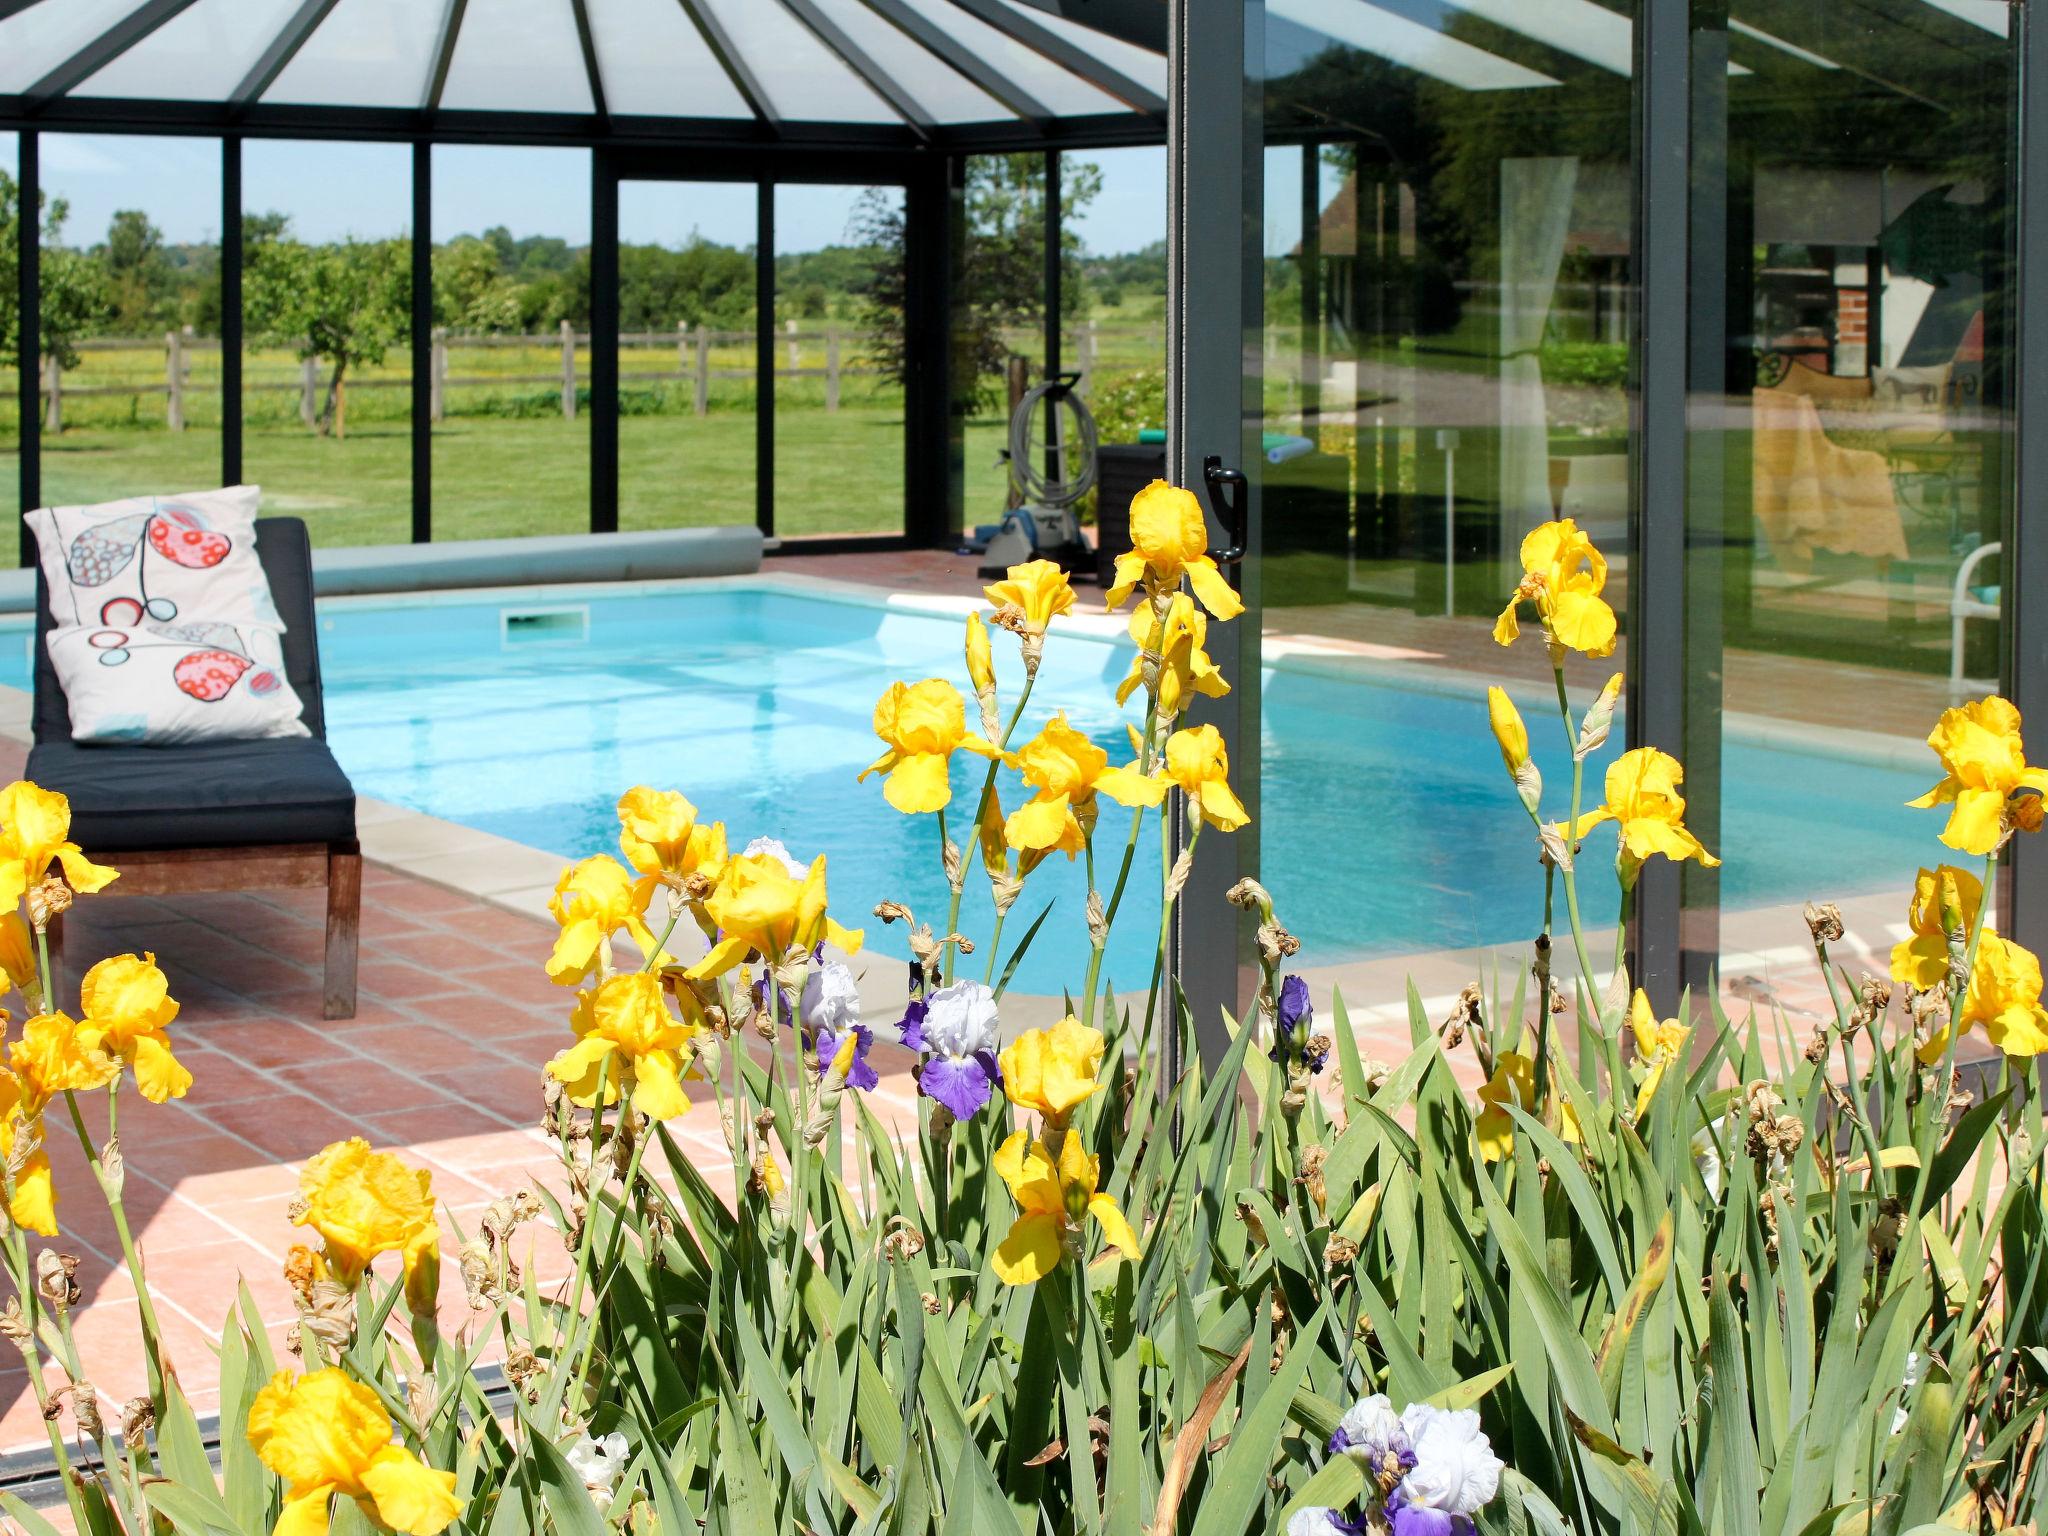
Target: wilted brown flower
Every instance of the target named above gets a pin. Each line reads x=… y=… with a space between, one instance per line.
x=1824 y=919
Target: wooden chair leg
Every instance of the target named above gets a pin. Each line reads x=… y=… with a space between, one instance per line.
x=344 y=925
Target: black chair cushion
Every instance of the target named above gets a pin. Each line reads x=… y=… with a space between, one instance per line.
x=208 y=795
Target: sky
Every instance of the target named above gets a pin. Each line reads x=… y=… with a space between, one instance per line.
x=333 y=190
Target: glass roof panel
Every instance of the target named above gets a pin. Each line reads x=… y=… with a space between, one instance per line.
x=1991 y=15
x=1063 y=94
x=1580 y=28
x=201 y=54
x=35 y=41
x=932 y=83
x=367 y=53
x=654 y=63
x=803 y=78
x=518 y=56
x=1758 y=34
x=1407 y=43
x=1141 y=64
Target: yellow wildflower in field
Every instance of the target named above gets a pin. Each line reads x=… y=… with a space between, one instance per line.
x=2004 y=997
x=1197 y=761
x=365 y=1203
x=326 y=1435
x=761 y=908
x=1053 y=1197
x=1052 y=1070
x=1169 y=540
x=1563 y=575
x=923 y=725
x=1038 y=589
x=127 y=1003
x=594 y=899
x=1184 y=666
x=35 y=832
x=1945 y=901
x=661 y=837
x=1068 y=770
x=1643 y=797
x=625 y=1035
x=1659 y=1045
x=1984 y=767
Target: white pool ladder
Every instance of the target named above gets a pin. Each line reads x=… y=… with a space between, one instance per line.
x=1962 y=606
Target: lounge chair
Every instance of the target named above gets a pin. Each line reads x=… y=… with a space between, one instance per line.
x=221 y=815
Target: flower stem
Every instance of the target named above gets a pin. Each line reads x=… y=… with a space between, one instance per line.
x=152 y=1331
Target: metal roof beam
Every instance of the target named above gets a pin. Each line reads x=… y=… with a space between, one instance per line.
x=856 y=58
x=731 y=60
x=1049 y=44
x=282 y=50
x=104 y=49
x=588 y=44
x=936 y=40
x=444 y=55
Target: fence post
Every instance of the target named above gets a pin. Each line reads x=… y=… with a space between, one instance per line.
x=53 y=394
x=568 y=371
x=831 y=370
x=703 y=396
x=1089 y=343
x=309 y=390
x=174 y=375
x=790 y=327
x=437 y=375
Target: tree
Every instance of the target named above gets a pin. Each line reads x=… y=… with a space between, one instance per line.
x=74 y=288
x=472 y=291
x=348 y=303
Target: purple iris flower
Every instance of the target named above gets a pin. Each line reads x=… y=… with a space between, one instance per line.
x=1292 y=1017
x=957 y=1027
x=1421 y=1520
x=911 y=1029
x=860 y=1073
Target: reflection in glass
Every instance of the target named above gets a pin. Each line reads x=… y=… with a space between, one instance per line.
x=686 y=353
x=131 y=398
x=1851 y=438
x=10 y=334
x=510 y=382
x=839 y=276
x=1444 y=366
x=327 y=337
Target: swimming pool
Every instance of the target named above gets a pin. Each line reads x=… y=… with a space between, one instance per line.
x=1388 y=824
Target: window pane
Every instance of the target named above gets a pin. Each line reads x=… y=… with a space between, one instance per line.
x=327 y=335
x=1000 y=339
x=1851 y=451
x=655 y=63
x=804 y=79
x=130 y=316
x=369 y=53
x=1443 y=368
x=512 y=341
x=10 y=334
x=838 y=400
x=518 y=56
x=201 y=54
x=686 y=353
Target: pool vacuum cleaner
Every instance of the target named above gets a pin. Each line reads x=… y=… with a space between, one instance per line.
x=1050 y=475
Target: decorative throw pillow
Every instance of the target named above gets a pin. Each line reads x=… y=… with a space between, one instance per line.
x=156 y=559
x=165 y=684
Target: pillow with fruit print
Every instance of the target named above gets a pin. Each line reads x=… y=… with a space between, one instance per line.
x=167 y=685
x=184 y=559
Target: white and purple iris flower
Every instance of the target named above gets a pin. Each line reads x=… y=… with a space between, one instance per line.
x=1371 y=1434
x=1323 y=1521
x=830 y=1009
x=959 y=1033
x=1434 y=1465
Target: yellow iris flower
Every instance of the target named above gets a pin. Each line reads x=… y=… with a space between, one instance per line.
x=1053 y=1197
x=1944 y=900
x=35 y=832
x=1643 y=797
x=34 y=1205
x=760 y=908
x=53 y=1056
x=1658 y=1046
x=325 y=1434
x=981 y=661
x=594 y=899
x=1068 y=770
x=1169 y=540
x=365 y=1203
x=127 y=1002
x=1184 y=666
x=1514 y=1082
x=660 y=835
x=18 y=958
x=1198 y=762
x=1052 y=1070
x=626 y=1036
x=1039 y=588
x=1562 y=574
x=1984 y=765
x=1508 y=731
x=922 y=724
x=2005 y=997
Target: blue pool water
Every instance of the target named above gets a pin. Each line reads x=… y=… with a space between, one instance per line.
x=1388 y=825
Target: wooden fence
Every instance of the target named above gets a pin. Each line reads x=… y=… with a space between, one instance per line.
x=825 y=353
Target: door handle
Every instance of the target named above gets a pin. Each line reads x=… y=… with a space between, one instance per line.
x=1230 y=496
